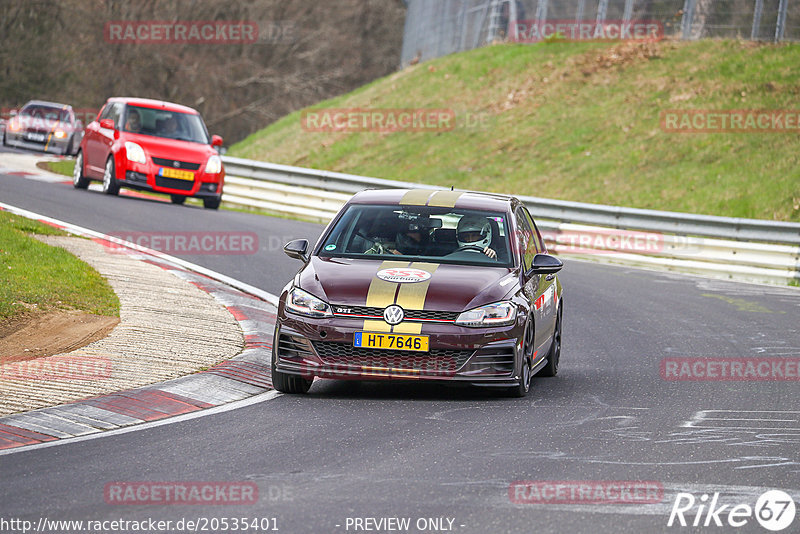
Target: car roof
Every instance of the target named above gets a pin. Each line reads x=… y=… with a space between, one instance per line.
x=45 y=103
x=435 y=198
x=155 y=104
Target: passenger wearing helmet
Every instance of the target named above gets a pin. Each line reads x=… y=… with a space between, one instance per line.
x=413 y=240
x=474 y=233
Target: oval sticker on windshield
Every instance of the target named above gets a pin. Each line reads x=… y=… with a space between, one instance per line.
x=403 y=275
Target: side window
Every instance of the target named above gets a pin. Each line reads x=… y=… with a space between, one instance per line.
x=115 y=113
x=540 y=246
x=105 y=112
x=526 y=239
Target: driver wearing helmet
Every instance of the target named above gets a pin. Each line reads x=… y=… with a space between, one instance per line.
x=475 y=233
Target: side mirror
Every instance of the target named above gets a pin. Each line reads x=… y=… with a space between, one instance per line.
x=13 y=113
x=297 y=249
x=545 y=264
x=216 y=140
x=108 y=124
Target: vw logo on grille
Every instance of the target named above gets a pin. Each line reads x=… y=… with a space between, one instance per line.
x=177 y=164
x=393 y=314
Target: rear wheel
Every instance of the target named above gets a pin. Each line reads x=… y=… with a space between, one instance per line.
x=177 y=199
x=212 y=203
x=551 y=369
x=79 y=181
x=110 y=184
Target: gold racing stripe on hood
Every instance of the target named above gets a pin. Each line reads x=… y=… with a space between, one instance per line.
x=416 y=197
x=412 y=297
x=381 y=294
x=445 y=199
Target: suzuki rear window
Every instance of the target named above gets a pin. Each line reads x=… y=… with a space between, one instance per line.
x=441 y=235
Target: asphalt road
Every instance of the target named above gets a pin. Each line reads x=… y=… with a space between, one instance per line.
x=378 y=450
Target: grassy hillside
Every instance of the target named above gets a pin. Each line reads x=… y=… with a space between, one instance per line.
x=576 y=121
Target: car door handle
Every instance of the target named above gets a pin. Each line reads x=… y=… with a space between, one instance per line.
x=550 y=277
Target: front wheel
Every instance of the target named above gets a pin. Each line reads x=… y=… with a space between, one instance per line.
x=177 y=199
x=110 y=184
x=551 y=369
x=286 y=383
x=79 y=181
x=212 y=203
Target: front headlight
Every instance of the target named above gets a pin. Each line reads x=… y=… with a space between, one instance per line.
x=305 y=303
x=214 y=165
x=497 y=314
x=60 y=134
x=135 y=152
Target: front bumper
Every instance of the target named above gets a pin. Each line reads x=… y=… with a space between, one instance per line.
x=54 y=146
x=324 y=348
x=145 y=177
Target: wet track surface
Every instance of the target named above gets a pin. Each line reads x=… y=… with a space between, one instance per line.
x=350 y=450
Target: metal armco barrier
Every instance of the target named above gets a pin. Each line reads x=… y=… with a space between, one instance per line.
x=723 y=247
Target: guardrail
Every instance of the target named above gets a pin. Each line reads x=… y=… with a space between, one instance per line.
x=743 y=249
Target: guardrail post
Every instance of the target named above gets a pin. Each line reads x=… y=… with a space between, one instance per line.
x=626 y=16
x=780 y=25
x=687 y=19
x=602 y=10
x=759 y=7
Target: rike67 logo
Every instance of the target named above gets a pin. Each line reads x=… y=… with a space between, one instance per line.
x=774 y=510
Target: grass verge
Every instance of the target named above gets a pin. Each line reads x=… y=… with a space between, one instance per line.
x=576 y=121
x=36 y=276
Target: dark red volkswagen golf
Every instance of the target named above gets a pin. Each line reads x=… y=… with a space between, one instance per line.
x=154 y=146
x=422 y=284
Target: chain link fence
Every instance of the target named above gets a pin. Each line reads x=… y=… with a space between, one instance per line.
x=435 y=28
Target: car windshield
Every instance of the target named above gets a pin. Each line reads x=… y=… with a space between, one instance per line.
x=165 y=123
x=45 y=113
x=442 y=235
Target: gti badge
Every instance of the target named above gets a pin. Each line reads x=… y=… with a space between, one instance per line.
x=393 y=314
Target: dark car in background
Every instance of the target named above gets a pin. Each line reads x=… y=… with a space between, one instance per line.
x=46 y=126
x=422 y=285
x=151 y=145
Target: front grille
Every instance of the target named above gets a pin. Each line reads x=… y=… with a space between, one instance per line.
x=174 y=183
x=434 y=362
x=293 y=347
x=410 y=315
x=164 y=162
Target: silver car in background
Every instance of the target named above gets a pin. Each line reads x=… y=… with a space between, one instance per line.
x=46 y=126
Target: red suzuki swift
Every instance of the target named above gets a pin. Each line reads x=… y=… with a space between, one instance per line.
x=154 y=146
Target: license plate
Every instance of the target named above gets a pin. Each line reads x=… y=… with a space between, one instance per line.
x=36 y=137
x=375 y=340
x=179 y=174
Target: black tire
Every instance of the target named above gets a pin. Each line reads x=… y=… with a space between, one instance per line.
x=551 y=368
x=5 y=139
x=110 y=184
x=79 y=181
x=286 y=383
x=70 y=148
x=177 y=199
x=212 y=203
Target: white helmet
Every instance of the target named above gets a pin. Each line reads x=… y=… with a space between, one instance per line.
x=474 y=230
